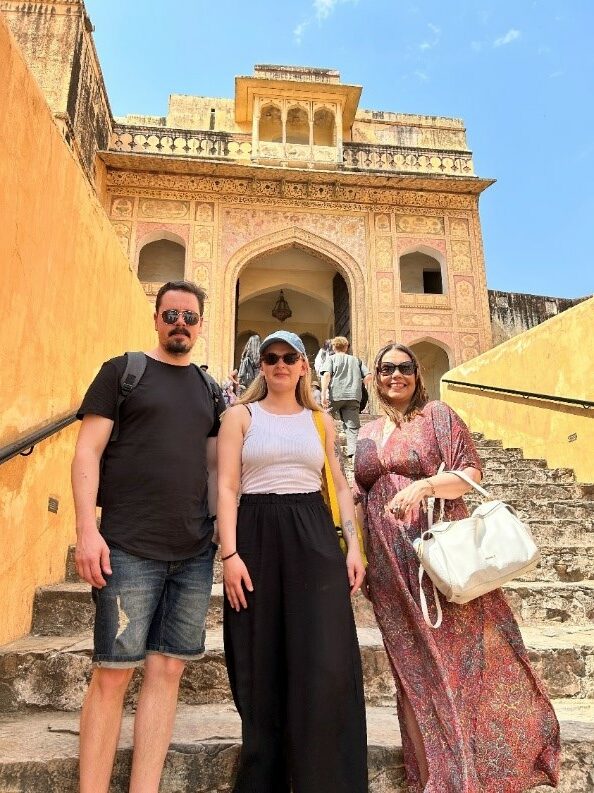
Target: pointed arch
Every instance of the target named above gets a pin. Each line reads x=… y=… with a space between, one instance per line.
x=313 y=244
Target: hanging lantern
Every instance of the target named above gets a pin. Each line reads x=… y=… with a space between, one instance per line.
x=281 y=310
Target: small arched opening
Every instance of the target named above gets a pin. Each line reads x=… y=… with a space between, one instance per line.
x=434 y=363
x=421 y=273
x=160 y=261
x=324 y=128
x=271 y=125
x=297 y=126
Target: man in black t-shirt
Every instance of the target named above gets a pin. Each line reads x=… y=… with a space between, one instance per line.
x=150 y=564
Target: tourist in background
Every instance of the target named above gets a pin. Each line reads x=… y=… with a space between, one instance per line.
x=316 y=392
x=290 y=639
x=231 y=388
x=323 y=353
x=249 y=362
x=343 y=377
x=474 y=717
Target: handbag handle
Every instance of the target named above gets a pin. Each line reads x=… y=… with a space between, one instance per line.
x=460 y=475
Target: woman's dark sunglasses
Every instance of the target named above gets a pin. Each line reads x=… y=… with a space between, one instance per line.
x=171 y=316
x=388 y=369
x=290 y=358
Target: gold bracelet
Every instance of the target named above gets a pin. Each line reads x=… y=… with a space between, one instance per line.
x=432 y=486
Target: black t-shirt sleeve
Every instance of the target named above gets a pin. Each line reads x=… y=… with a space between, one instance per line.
x=102 y=395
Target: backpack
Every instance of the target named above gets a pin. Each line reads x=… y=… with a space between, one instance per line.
x=133 y=372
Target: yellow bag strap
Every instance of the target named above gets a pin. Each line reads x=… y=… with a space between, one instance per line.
x=328 y=488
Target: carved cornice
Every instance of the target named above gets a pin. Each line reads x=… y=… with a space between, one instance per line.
x=318 y=195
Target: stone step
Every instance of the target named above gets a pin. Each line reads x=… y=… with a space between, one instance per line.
x=538 y=492
x=548 y=601
x=530 y=601
x=525 y=471
x=533 y=509
x=573 y=563
x=41 y=673
x=67 y=609
x=39 y=751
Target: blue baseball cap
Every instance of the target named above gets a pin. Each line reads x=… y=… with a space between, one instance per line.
x=292 y=339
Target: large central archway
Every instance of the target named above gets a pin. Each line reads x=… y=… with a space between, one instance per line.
x=314 y=291
x=322 y=283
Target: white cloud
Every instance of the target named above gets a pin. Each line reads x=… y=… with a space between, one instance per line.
x=428 y=45
x=511 y=35
x=299 y=31
x=322 y=9
x=476 y=45
x=422 y=76
x=558 y=73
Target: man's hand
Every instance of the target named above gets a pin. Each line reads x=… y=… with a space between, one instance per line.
x=92 y=557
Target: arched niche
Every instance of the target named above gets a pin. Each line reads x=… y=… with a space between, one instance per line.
x=422 y=271
x=324 y=127
x=162 y=259
x=271 y=125
x=435 y=360
x=297 y=126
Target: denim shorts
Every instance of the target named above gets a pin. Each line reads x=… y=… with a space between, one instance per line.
x=149 y=606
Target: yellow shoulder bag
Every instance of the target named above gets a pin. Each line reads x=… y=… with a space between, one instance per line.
x=329 y=490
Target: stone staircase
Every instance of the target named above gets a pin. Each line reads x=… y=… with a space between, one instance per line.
x=43 y=676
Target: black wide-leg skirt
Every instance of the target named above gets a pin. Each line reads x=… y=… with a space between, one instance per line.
x=292 y=656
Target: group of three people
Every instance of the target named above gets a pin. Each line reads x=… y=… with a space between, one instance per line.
x=473 y=716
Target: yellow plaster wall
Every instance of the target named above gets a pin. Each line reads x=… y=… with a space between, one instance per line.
x=68 y=301
x=555 y=358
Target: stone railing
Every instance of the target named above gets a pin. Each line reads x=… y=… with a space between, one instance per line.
x=238 y=147
x=373 y=157
x=181 y=143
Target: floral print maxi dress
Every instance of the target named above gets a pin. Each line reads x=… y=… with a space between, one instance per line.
x=486 y=722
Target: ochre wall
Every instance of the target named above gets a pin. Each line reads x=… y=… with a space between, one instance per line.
x=554 y=358
x=69 y=300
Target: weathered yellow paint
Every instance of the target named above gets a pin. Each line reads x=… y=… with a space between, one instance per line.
x=554 y=358
x=69 y=300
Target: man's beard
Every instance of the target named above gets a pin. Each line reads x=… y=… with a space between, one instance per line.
x=178 y=345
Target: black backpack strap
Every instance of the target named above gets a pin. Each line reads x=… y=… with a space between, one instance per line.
x=215 y=391
x=135 y=366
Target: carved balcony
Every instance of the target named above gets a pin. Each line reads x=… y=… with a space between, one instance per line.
x=181 y=143
x=375 y=157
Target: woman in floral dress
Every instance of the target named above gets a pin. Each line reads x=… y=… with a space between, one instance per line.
x=473 y=715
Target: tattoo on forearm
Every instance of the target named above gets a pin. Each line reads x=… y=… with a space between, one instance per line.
x=348 y=527
x=338 y=454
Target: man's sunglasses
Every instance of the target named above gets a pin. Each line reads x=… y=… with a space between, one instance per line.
x=271 y=358
x=171 y=316
x=388 y=369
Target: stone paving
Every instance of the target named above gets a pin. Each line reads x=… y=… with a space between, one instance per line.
x=43 y=676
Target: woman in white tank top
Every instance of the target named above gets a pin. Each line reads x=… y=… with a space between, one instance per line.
x=290 y=640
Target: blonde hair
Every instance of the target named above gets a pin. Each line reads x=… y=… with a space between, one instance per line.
x=340 y=343
x=419 y=398
x=258 y=390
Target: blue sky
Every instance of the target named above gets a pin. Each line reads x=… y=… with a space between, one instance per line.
x=520 y=74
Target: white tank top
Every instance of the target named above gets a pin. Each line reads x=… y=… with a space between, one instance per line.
x=281 y=454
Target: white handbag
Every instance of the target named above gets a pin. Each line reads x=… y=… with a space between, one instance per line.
x=467 y=558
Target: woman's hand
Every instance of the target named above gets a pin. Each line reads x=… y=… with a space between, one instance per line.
x=355 y=568
x=235 y=577
x=409 y=497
